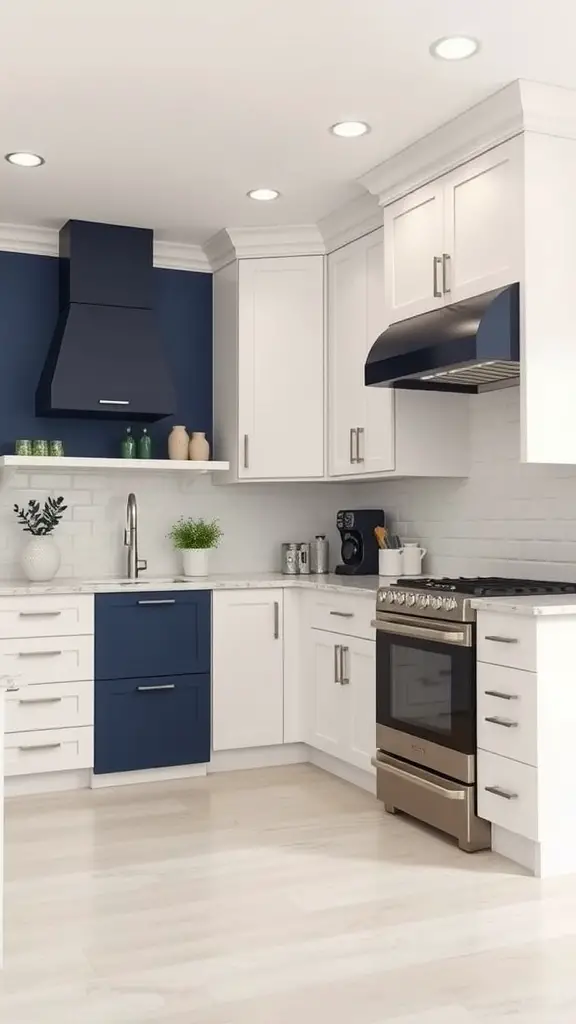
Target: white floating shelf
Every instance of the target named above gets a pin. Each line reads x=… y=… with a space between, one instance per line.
x=74 y=464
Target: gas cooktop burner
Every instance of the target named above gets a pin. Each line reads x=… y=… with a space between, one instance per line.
x=450 y=599
x=488 y=586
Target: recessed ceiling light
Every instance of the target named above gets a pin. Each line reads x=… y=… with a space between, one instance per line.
x=350 y=129
x=263 y=195
x=455 y=47
x=24 y=159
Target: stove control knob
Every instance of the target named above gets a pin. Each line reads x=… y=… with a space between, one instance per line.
x=422 y=600
x=410 y=600
x=436 y=602
x=390 y=597
x=399 y=598
x=448 y=603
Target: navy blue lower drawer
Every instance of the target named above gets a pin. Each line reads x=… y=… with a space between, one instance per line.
x=151 y=722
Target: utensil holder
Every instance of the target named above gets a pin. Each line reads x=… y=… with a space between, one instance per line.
x=390 y=561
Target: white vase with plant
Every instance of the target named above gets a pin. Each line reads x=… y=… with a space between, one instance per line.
x=41 y=556
x=195 y=538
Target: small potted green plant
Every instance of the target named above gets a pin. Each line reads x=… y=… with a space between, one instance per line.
x=195 y=538
x=41 y=557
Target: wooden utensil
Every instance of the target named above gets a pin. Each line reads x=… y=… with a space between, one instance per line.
x=381 y=534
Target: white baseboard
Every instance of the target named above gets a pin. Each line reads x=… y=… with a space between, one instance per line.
x=258 y=757
x=47 y=782
x=180 y=771
x=348 y=772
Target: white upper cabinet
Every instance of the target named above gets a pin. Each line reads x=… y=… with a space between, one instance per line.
x=414 y=242
x=458 y=237
x=269 y=368
x=281 y=368
x=361 y=419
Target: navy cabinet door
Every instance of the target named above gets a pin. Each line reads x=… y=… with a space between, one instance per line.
x=160 y=633
x=151 y=723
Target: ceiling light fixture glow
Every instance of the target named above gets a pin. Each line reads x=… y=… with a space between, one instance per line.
x=350 y=129
x=263 y=195
x=25 y=159
x=455 y=47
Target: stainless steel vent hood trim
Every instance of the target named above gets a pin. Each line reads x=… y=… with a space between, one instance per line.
x=467 y=347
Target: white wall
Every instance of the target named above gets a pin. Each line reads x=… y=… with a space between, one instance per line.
x=255 y=519
x=507 y=518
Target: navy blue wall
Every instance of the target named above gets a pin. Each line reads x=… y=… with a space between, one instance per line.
x=28 y=313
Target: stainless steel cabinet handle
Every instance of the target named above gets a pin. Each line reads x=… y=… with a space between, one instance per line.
x=506 y=794
x=40 y=700
x=276 y=620
x=40 y=746
x=336 y=663
x=353 y=445
x=343 y=615
x=113 y=401
x=36 y=615
x=436 y=264
x=359 y=436
x=503 y=696
x=246 y=452
x=38 y=654
x=502 y=639
x=344 y=672
x=506 y=722
x=446 y=283
x=159 y=600
x=161 y=686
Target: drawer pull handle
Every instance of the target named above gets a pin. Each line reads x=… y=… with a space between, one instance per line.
x=113 y=401
x=343 y=615
x=40 y=700
x=506 y=794
x=38 y=654
x=163 y=600
x=40 y=746
x=502 y=639
x=503 y=696
x=162 y=686
x=506 y=722
x=37 y=615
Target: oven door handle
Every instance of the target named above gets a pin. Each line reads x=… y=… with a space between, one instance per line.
x=432 y=787
x=459 y=636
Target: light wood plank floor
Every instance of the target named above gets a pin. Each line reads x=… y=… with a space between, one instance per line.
x=281 y=896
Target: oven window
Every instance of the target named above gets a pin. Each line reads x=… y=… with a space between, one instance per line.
x=421 y=688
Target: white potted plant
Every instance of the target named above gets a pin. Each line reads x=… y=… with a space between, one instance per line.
x=195 y=538
x=41 y=556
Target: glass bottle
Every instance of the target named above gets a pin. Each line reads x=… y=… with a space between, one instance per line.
x=145 y=445
x=128 y=446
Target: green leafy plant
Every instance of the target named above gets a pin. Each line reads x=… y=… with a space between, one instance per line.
x=195 y=533
x=41 y=522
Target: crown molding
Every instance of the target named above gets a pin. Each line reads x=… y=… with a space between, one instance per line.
x=357 y=218
x=256 y=243
x=219 y=250
x=38 y=241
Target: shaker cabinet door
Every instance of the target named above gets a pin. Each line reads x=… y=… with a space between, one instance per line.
x=413 y=247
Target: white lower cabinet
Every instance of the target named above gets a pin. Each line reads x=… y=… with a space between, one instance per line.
x=247 y=669
x=342 y=700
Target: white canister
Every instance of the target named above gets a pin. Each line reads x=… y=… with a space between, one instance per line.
x=195 y=561
x=412 y=555
x=390 y=562
x=40 y=559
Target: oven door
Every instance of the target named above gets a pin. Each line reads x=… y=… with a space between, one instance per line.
x=426 y=680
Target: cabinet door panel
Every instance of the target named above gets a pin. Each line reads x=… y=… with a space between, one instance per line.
x=248 y=684
x=151 y=722
x=360 y=670
x=413 y=236
x=377 y=442
x=281 y=368
x=327 y=703
x=483 y=210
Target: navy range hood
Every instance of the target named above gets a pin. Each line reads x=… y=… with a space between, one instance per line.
x=105 y=359
x=468 y=347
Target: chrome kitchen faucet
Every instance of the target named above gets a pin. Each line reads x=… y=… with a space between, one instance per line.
x=135 y=564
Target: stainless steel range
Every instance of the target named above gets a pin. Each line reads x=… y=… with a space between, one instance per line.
x=426 y=698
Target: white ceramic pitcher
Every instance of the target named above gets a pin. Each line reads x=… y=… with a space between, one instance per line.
x=412 y=555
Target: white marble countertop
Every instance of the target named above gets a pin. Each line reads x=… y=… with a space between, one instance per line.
x=536 y=604
x=329 y=582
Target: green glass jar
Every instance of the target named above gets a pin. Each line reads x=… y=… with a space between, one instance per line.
x=128 y=446
x=56 y=448
x=145 y=445
x=40 y=447
x=23 y=447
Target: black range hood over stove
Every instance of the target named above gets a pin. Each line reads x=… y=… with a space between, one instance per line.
x=105 y=359
x=468 y=347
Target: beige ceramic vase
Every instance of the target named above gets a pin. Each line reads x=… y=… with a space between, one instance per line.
x=178 y=443
x=199 y=449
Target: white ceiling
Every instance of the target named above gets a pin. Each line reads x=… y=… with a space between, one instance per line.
x=163 y=113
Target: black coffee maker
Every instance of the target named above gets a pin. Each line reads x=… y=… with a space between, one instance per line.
x=359 y=549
